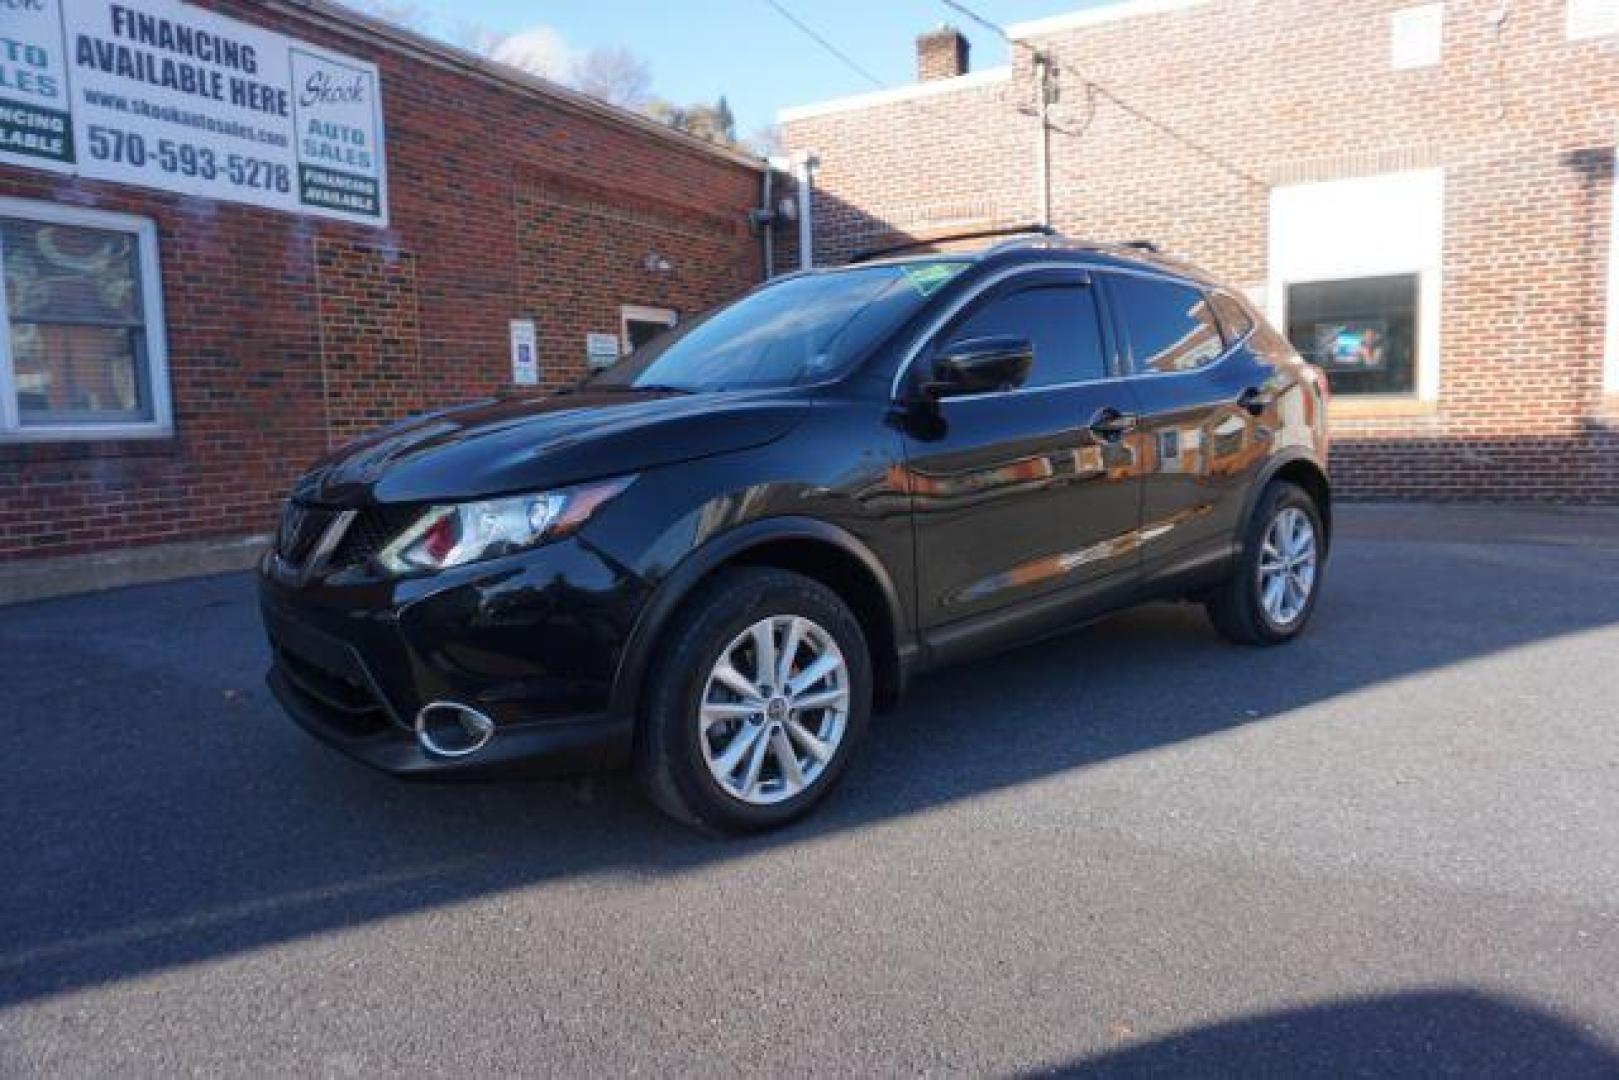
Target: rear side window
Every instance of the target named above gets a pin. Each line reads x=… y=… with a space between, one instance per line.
x=1234 y=318
x=1171 y=327
x=1059 y=320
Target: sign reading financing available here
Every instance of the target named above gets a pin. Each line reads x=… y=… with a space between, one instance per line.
x=166 y=95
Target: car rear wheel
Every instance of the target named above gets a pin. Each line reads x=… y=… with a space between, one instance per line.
x=1272 y=594
x=753 y=714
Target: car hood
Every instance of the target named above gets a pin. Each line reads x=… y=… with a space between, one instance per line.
x=531 y=444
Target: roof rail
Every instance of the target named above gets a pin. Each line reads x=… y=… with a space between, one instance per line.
x=979 y=234
x=1143 y=245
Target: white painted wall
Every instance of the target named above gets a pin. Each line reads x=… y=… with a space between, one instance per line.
x=1366 y=227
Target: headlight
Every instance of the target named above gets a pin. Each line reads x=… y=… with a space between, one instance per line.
x=459 y=533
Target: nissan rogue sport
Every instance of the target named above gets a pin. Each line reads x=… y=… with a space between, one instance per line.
x=713 y=560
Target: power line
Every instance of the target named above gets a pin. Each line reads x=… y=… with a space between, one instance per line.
x=1095 y=87
x=1152 y=121
x=993 y=28
x=854 y=66
x=827 y=45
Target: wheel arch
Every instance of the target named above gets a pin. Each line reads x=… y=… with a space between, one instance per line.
x=818 y=550
x=1302 y=469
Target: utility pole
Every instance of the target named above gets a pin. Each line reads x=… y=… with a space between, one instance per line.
x=1044 y=86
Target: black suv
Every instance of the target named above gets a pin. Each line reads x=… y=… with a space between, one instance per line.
x=714 y=559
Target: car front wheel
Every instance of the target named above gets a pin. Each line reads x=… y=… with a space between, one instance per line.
x=1273 y=592
x=753 y=714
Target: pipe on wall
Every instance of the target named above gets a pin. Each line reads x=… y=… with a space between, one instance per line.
x=804 y=164
x=766 y=216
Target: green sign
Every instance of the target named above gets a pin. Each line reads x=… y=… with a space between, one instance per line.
x=929 y=278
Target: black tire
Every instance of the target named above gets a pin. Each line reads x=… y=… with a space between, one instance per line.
x=669 y=760
x=1236 y=608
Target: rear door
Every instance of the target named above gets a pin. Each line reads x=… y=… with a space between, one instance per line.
x=1016 y=499
x=1202 y=396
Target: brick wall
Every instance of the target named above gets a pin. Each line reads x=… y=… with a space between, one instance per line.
x=1263 y=93
x=579 y=223
x=370 y=346
x=288 y=335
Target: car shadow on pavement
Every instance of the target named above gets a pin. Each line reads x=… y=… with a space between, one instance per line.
x=159 y=810
x=1447 y=1032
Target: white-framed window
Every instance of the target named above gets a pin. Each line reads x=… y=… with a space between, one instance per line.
x=1416 y=36
x=639 y=325
x=1356 y=276
x=1592 y=18
x=82 y=348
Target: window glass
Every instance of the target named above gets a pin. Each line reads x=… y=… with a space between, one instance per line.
x=1234 y=318
x=642 y=325
x=77 y=342
x=1171 y=327
x=1362 y=332
x=1059 y=320
x=798 y=330
x=641 y=332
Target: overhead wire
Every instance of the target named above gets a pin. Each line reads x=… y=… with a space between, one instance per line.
x=1092 y=86
x=819 y=39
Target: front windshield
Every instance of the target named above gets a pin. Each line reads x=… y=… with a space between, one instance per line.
x=796 y=331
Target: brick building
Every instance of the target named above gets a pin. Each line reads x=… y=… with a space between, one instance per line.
x=176 y=350
x=1420 y=194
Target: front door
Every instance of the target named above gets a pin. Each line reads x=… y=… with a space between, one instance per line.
x=1021 y=506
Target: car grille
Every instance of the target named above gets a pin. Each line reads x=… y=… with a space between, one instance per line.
x=369 y=531
x=300 y=531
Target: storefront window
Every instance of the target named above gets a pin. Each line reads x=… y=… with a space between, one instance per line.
x=78 y=356
x=1361 y=331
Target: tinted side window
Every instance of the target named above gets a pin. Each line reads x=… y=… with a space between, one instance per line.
x=1171 y=327
x=1060 y=321
x=1234 y=318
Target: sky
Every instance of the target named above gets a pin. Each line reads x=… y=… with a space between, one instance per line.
x=700 y=49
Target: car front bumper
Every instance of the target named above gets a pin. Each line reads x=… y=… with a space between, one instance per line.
x=531 y=641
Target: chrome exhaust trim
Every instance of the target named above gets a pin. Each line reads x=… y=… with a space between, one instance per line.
x=448 y=729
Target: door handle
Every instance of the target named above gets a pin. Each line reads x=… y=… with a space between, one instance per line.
x=1255 y=400
x=1111 y=425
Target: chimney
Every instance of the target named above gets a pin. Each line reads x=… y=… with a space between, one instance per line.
x=941 y=54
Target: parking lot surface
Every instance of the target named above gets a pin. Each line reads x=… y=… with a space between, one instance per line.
x=1391 y=847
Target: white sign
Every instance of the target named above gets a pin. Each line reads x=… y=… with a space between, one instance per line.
x=525 y=353
x=601 y=350
x=34 y=125
x=166 y=95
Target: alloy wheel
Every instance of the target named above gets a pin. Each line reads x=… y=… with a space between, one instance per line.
x=774 y=709
x=1287 y=566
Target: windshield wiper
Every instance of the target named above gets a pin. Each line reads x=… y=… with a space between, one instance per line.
x=649 y=388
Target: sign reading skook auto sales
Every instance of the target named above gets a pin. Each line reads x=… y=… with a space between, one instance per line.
x=169 y=96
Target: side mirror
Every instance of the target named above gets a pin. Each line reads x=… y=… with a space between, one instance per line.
x=980 y=366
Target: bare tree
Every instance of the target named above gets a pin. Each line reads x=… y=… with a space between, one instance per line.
x=712 y=122
x=616 y=76
x=539 y=51
x=474 y=37
x=766 y=141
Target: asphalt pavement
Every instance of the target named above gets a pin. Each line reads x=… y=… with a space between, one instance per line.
x=1390 y=848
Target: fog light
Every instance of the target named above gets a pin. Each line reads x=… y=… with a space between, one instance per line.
x=446 y=729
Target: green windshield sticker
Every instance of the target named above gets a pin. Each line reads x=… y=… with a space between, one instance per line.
x=929 y=278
